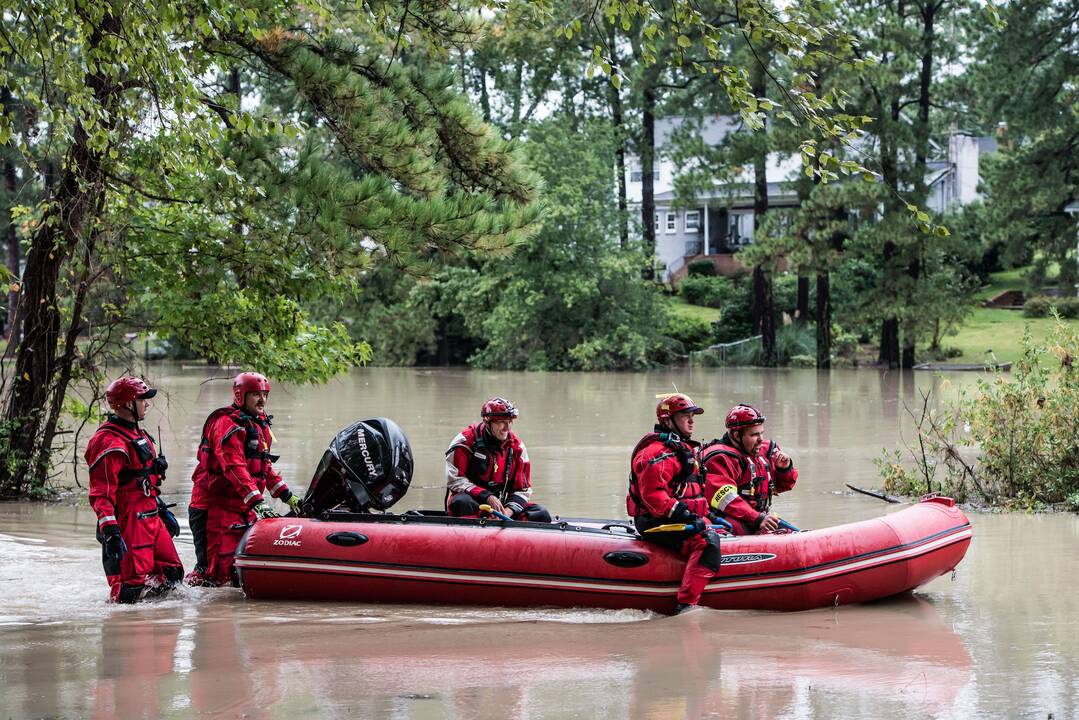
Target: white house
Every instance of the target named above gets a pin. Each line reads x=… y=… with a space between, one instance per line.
x=721 y=221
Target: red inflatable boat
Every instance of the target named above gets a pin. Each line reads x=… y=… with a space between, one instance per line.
x=433 y=559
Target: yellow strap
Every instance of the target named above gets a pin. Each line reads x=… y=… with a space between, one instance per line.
x=671 y=527
x=721 y=495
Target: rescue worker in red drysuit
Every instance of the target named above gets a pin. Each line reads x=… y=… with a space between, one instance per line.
x=487 y=464
x=235 y=468
x=743 y=471
x=665 y=488
x=135 y=528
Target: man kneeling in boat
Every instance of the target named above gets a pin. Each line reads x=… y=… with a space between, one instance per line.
x=488 y=464
x=743 y=471
x=665 y=488
x=235 y=467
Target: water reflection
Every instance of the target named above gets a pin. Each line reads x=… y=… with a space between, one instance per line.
x=228 y=658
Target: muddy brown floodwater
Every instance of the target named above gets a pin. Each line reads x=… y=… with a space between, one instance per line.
x=1000 y=639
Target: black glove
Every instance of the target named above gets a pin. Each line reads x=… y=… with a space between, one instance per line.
x=515 y=505
x=169 y=520
x=113 y=545
x=683 y=514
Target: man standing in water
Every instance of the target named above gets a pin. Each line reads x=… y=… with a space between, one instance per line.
x=235 y=468
x=665 y=489
x=487 y=464
x=743 y=471
x=135 y=528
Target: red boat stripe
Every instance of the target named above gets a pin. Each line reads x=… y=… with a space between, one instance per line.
x=802 y=576
x=722 y=585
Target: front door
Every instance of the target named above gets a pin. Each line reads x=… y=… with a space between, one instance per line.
x=718 y=230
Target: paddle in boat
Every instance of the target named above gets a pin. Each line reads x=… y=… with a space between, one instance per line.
x=342 y=551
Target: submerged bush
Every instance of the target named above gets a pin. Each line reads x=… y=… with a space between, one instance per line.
x=1012 y=441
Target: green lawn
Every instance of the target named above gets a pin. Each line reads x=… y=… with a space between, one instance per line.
x=998 y=330
x=680 y=307
x=985 y=329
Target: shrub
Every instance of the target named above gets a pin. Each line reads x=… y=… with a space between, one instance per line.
x=693 y=333
x=791 y=341
x=707 y=291
x=844 y=344
x=701 y=268
x=1067 y=307
x=785 y=294
x=1037 y=306
x=1045 y=305
x=1021 y=433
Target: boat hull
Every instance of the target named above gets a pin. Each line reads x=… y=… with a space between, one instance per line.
x=402 y=559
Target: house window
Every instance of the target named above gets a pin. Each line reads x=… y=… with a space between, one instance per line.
x=693 y=221
x=637 y=176
x=655 y=222
x=736 y=231
x=672 y=222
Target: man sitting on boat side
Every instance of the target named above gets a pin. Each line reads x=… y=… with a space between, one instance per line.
x=665 y=488
x=135 y=528
x=743 y=471
x=488 y=464
x=234 y=469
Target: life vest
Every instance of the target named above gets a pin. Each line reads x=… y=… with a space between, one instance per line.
x=144 y=465
x=755 y=480
x=688 y=483
x=484 y=469
x=252 y=439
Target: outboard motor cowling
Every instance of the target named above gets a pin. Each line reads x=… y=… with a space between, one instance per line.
x=367 y=466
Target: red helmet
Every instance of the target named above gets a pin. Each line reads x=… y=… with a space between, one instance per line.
x=742 y=416
x=123 y=391
x=247 y=382
x=498 y=407
x=676 y=403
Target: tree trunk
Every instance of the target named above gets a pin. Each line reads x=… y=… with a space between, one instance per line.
x=67 y=360
x=889 y=328
x=14 y=259
x=647 y=152
x=921 y=156
x=889 y=343
x=824 y=320
x=13 y=253
x=615 y=98
x=802 y=310
x=763 y=298
x=518 y=93
x=485 y=98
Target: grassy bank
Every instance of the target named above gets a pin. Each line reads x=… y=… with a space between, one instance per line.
x=988 y=334
x=996 y=330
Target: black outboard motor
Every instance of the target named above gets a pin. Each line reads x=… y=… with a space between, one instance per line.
x=367 y=466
